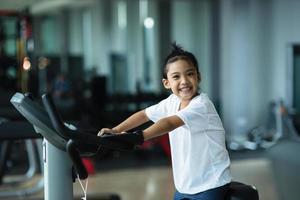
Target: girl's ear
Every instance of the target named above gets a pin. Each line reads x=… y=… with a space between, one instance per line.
x=166 y=83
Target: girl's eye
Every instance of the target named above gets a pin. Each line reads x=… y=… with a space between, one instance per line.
x=190 y=74
x=175 y=77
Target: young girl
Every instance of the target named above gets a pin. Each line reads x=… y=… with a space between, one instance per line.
x=200 y=161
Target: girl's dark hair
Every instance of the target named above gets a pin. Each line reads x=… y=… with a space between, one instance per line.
x=178 y=53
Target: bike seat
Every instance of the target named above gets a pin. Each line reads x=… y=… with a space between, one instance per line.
x=241 y=191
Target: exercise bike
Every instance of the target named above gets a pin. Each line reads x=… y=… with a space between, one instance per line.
x=63 y=147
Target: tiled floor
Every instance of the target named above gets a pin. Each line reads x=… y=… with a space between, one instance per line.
x=156 y=183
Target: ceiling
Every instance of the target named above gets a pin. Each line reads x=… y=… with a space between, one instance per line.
x=16 y=4
x=36 y=7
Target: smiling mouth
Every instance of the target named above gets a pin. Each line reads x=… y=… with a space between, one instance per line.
x=185 y=89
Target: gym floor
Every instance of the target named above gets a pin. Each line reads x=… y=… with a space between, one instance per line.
x=155 y=183
x=148 y=175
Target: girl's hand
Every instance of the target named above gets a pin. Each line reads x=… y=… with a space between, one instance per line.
x=107 y=131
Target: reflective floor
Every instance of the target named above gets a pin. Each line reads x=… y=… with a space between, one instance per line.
x=156 y=182
x=275 y=173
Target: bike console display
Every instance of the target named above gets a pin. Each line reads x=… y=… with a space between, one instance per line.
x=38 y=117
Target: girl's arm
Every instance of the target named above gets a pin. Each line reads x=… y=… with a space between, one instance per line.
x=162 y=126
x=131 y=122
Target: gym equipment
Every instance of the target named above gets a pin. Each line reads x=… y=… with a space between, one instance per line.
x=20 y=130
x=278 y=126
x=64 y=144
x=62 y=149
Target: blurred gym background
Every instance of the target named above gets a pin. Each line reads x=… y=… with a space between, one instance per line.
x=102 y=61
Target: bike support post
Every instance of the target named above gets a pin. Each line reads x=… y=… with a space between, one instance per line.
x=57 y=173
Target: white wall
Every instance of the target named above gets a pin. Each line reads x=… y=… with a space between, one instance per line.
x=286 y=30
x=244 y=64
x=255 y=36
x=191 y=28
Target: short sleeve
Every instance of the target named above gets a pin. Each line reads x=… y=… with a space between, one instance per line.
x=194 y=116
x=157 y=111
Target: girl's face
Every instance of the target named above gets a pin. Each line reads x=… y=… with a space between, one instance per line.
x=182 y=79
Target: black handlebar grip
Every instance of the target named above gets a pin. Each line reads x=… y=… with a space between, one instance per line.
x=54 y=115
x=76 y=159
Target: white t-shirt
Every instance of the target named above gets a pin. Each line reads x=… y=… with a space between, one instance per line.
x=200 y=160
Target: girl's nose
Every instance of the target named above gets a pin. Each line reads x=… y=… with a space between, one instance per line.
x=184 y=79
